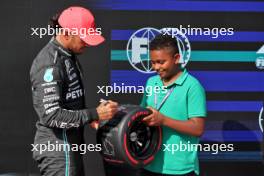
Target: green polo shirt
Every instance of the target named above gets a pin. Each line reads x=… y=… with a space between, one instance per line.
x=187 y=100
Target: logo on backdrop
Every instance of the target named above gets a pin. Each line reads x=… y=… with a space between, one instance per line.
x=138 y=47
x=260 y=60
x=261 y=119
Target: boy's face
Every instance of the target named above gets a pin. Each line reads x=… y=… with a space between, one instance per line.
x=164 y=62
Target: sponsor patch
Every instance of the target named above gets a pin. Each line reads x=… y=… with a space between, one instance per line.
x=48 y=76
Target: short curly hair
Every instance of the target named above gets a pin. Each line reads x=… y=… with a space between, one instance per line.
x=164 y=41
x=54 y=23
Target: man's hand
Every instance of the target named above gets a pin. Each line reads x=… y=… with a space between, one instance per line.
x=106 y=110
x=94 y=124
x=154 y=119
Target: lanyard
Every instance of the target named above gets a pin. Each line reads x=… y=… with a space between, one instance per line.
x=164 y=99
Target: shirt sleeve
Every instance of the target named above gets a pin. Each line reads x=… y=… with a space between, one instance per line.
x=196 y=101
x=48 y=100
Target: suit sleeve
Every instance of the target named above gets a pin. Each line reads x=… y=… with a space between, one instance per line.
x=48 y=100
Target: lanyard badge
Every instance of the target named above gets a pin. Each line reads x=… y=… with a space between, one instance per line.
x=158 y=107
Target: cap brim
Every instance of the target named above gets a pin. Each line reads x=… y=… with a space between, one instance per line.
x=93 y=40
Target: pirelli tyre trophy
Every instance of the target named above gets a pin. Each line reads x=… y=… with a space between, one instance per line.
x=125 y=139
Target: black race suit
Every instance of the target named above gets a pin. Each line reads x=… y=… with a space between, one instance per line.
x=58 y=98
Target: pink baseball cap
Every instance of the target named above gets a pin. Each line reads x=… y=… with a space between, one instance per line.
x=80 y=18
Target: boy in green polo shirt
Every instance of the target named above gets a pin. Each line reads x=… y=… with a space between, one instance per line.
x=180 y=111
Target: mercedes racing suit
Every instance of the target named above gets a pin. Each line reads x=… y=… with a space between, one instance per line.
x=58 y=98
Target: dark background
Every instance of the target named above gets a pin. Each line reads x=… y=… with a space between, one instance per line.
x=18 y=49
x=17 y=117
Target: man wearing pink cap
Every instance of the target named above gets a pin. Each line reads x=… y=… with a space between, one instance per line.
x=58 y=95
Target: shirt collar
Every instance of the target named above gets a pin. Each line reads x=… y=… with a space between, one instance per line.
x=61 y=49
x=178 y=81
x=182 y=77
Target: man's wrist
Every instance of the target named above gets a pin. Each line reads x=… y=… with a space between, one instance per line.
x=93 y=114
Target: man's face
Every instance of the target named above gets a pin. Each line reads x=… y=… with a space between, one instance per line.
x=164 y=62
x=76 y=45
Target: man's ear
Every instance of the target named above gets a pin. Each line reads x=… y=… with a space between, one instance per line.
x=177 y=58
